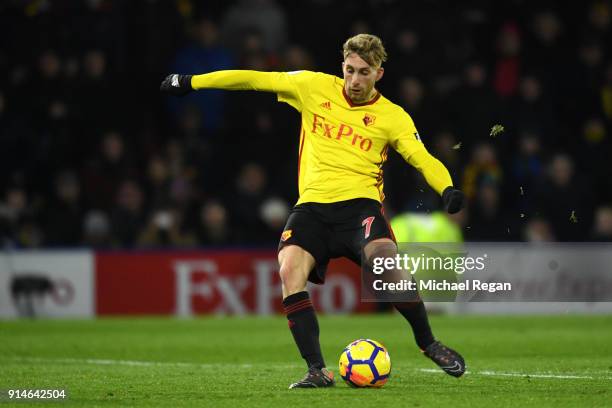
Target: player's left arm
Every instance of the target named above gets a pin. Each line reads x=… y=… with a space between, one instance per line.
x=407 y=142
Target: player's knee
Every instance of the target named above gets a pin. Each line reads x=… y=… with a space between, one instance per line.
x=285 y=273
x=378 y=250
x=292 y=279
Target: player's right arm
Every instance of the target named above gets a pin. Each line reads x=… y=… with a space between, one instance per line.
x=291 y=87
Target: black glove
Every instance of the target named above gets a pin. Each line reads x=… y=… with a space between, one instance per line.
x=176 y=84
x=453 y=200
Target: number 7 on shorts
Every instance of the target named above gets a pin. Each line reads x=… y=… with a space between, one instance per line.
x=368 y=226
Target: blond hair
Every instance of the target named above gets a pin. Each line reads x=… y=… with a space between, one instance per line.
x=369 y=47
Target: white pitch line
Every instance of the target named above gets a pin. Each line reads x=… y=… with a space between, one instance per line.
x=530 y=375
x=139 y=363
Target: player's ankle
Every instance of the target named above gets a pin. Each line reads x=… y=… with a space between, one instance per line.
x=317 y=365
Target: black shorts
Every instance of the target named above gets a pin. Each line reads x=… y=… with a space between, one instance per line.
x=328 y=231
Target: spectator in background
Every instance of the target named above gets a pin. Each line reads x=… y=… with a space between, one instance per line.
x=23 y=150
x=71 y=71
x=213 y=226
x=532 y=110
x=411 y=94
x=99 y=111
x=590 y=68
x=6 y=144
x=62 y=218
x=414 y=99
x=606 y=94
x=508 y=64
x=527 y=170
x=359 y=26
x=183 y=171
x=488 y=218
x=473 y=105
x=128 y=214
x=408 y=56
x=596 y=145
x=193 y=149
x=53 y=109
x=55 y=106
x=297 y=58
x=17 y=226
x=262 y=16
x=538 y=230
x=446 y=147
x=30 y=235
x=204 y=54
x=602 y=231
x=599 y=19
x=248 y=196
x=565 y=199
x=253 y=54
x=186 y=184
x=105 y=170
x=165 y=229
x=274 y=212
x=49 y=87
x=583 y=84
x=158 y=182
x=183 y=195
x=97 y=230
x=483 y=167
x=190 y=125
x=546 y=53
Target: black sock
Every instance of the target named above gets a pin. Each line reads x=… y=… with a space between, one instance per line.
x=416 y=315
x=304 y=327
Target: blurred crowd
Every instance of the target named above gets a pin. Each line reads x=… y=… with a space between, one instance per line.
x=92 y=155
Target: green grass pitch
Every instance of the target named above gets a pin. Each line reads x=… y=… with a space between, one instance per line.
x=554 y=361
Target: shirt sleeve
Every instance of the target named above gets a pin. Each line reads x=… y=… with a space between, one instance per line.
x=407 y=142
x=291 y=87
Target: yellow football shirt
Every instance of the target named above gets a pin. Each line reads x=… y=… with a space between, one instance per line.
x=343 y=146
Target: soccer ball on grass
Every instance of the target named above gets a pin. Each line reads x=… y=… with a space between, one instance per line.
x=365 y=363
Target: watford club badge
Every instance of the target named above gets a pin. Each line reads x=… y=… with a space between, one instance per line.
x=286 y=235
x=368 y=119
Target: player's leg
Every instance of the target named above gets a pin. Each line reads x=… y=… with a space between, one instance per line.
x=415 y=313
x=369 y=236
x=295 y=267
x=302 y=256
